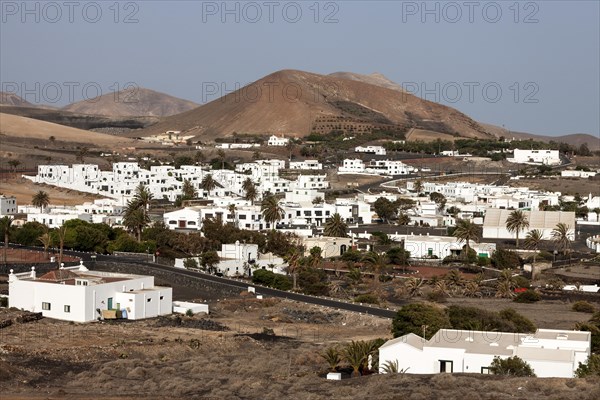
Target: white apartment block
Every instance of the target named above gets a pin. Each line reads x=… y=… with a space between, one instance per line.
x=378 y=150
x=8 y=205
x=374 y=167
x=550 y=353
x=76 y=294
x=543 y=157
x=277 y=141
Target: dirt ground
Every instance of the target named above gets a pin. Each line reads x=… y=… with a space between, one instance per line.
x=23 y=189
x=227 y=356
x=22 y=256
x=568 y=186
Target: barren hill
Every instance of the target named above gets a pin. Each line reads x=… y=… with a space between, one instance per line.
x=132 y=102
x=11 y=99
x=375 y=78
x=297 y=103
x=13 y=127
x=575 y=139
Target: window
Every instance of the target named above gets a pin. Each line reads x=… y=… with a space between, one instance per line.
x=446 y=366
x=149 y=300
x=67 y=309
x=486 y=370
x=46 y=306
x=162 y=297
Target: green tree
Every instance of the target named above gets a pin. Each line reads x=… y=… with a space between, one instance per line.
x=271 y=210
x=421 y=319
x=135 y=219
x=190 y=263
x=208 y=260
x=590 y=368
x=378 y=263
x=14 y=164
x=336 y=226
x=41 y=200
x=512 y=366
x=532 y=241
x=418 y=187
x=46 y=240
x=385 y=209
x=516 y=222
x=466 y=231
x=293 y=261
x=62 y=234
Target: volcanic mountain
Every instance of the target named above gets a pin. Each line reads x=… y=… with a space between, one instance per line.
x=132 y=102
x=296 y=103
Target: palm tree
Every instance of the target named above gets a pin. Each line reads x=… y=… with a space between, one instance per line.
x=46 y=241
x=250 y=190
x=143 y=197
x=221 y=156
x=516 y=222
x=414 y=286
x=62 y=233
x=560 y=236
x=188 y=190
x=292 y=259
x=377 y=262
x=504 y=289
x=532 y=241
x=318 y=200
x=208 y=183
x=333 y=357
x=232 y=208
x=335 y=226
x=5 y=224
x=135 y=219
x=41 y=200
x=81 y=154
x=472 y=289
x=271 y=210
x=467 y=231
x=354 y=353
x=390 y=367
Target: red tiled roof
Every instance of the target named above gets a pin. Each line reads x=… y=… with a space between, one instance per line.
x=58 y=275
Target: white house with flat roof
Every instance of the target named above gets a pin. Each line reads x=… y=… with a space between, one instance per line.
x=80 y=295
x=306 y=165
x=543 y=157
x=379 y=150
x=442 y=246
x=551 y=353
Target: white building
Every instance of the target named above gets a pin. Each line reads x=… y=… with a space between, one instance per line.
x=56 y=218
x=76 y=294
x=494 y=224
x=543 y=157
x=379 y=150
x=330 y=246
x=306 y=165
x=571 y=173
x=374 y=167
x=277 y=141
x=442 y=246
x=8 y=205
x=551 y=353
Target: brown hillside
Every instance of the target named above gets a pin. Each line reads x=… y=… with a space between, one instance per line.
x=375 y=78
x=11 y=99
x=290 y=102
x=132 y=102
x=21 y=128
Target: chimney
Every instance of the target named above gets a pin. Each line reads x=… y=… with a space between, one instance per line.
x=11 y=276
x=32 y=272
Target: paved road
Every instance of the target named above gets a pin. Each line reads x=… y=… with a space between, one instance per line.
x=320 y=301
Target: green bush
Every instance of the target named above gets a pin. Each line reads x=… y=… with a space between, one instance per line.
x=521 y=324
x=503 y=259
x=3 y=301
x=583 y=306
x=528 y=296
x=281 y=282
x=366 y=298
x=590 y=368
x=513 y=366
x=437 y=296
x=413 y=317
x=263 y=277
x=473 y=318
x=521 y=282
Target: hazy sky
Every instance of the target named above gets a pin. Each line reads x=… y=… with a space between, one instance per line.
x=531 y=66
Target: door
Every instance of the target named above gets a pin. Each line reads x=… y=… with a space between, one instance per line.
x=446 y=366
x=110 y=303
